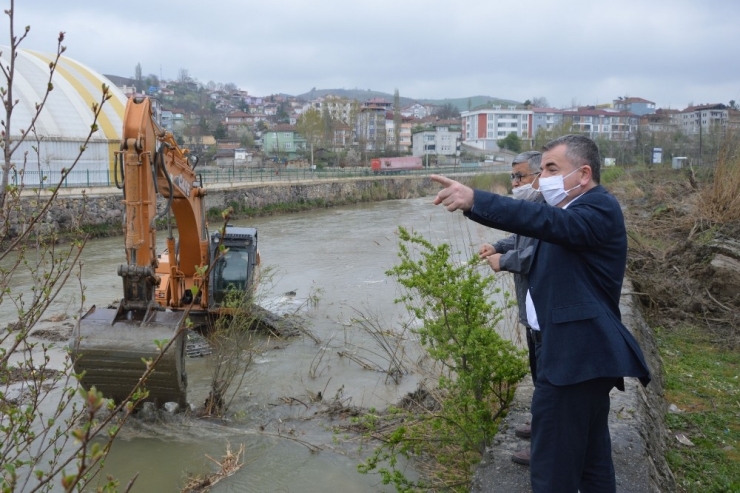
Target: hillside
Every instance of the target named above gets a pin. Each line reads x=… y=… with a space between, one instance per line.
x=363 y=95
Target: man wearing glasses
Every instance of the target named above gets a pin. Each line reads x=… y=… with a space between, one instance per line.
x=514 y=254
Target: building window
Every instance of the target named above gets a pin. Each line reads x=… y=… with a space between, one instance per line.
x=288 y=145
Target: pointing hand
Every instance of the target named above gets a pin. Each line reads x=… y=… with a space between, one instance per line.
x=454 y=195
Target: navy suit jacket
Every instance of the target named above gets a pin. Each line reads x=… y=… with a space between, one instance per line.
x=575 y=281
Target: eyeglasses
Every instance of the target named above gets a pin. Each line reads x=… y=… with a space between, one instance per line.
x=519 y=176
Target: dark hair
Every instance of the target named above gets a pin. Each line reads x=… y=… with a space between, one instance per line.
x=532 y=157
x=580 y=150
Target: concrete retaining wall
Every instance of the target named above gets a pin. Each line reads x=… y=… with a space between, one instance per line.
x=102 y=208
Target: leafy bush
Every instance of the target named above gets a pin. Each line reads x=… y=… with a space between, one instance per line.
x=478 y=368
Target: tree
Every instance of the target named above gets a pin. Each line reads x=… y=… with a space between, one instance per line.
x=447 y=111
x=327 y=123
x=310 y=125
x=220 y=132
x=60 y=444
x=540 y=102
x=283 y=114
x=543 y=136
x=151 y=80
x=733 y=105
x=396 y=120
x=183 y=76
x=246 y=140
x=137 y=74
x=511 y=142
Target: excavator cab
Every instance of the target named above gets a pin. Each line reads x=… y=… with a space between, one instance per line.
x=233 y=272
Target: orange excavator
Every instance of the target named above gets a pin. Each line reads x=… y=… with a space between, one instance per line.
x=159 y=289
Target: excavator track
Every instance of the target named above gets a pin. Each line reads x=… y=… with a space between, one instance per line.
x=109 y=344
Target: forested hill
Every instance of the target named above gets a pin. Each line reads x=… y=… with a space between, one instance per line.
x=462 y=103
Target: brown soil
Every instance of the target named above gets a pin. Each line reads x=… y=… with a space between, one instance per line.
x=684 y=265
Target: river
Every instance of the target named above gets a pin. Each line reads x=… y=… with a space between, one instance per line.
x=338 y=256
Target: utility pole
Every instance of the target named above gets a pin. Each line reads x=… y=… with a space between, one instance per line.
x=700 y=139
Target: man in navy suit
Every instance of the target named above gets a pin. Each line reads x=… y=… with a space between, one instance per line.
x=582 y=348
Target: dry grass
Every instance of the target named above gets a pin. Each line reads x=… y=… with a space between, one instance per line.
x=720 y=203
x=499 y=183
x=229 y=464
x=675 y=230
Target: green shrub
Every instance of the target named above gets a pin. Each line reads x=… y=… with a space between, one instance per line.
x=457 y=328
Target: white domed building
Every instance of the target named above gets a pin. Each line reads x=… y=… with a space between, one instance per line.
x=64 y=123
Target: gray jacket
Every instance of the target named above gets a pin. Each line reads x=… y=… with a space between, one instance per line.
x=517 y=253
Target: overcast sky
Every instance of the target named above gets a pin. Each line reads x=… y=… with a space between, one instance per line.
x=672 y=52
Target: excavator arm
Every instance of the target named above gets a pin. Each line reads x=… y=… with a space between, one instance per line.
x=153 y=166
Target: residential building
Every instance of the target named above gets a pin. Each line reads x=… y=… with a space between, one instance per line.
x=703 y=117
x=239 y=122
x=379 y=102
x=610 y=124
x=253 y=100
x=390 y=131
x=638 y=106
x=271 y=109
x=283 y=141
x=415 y=110
x=484 y=126
x=404 y=136
x=663 y=120
x=371 y=123
x=545 y=119
x=166 y=120
x=440 y=139
x=339 y=108
x=195 y=142
x=342 y=136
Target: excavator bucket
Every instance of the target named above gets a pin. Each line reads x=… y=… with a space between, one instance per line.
x=109 y=345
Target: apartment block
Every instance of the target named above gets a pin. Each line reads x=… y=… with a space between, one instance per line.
x=483 y=127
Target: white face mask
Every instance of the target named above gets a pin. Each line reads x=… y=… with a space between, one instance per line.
x=525 y=192
x=553 y=188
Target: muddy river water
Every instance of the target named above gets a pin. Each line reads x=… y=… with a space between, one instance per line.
x=339 y=256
